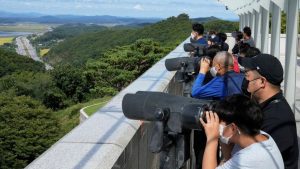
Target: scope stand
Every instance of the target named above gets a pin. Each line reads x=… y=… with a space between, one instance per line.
x=172 y=146
x=176 y=150
x=187 y=80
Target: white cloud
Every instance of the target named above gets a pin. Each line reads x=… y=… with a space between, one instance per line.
x=138 y=7
x=27 y=3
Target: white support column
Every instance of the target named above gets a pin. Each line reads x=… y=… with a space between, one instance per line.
x=253 y=23
x=275 y=30
x=250 y=21
x=265 y=30
x=291 y=52
x=241 y=22
x=244 y=21
x=258 y=29
x=247 y=19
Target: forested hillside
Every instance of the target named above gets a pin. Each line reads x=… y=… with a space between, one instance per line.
x=222 y=26
x=12 y=62
x=77 y=50
x=64 y=31
x=27 y=127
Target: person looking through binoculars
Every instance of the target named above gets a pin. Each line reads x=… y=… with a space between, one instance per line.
x=236 y=122
x=226 y=82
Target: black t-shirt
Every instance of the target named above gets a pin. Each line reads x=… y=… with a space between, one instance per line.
x=279 y=122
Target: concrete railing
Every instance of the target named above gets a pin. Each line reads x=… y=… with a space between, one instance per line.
x=82 y=115
x=107 y=139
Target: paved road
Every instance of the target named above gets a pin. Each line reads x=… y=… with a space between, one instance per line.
x=26 y=49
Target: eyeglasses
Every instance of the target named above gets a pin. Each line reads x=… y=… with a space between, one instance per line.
x=254 y=79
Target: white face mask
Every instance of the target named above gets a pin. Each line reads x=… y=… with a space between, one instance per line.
x=223 y=139
x=213 y=71
x=192 y=36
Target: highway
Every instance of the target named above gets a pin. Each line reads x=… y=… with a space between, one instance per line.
x=26 y=49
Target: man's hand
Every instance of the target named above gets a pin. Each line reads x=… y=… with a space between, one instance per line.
x=204 y=65
x=211 y=127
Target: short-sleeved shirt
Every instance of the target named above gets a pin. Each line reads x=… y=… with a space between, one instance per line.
x=279 y=122
x=250 y=42
x=261 y=155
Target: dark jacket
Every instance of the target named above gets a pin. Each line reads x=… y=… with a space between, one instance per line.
x=279 y=122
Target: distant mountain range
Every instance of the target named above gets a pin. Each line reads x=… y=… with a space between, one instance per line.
x=4 y=14
x=205 y=19
x=6 y=17
x=10 y=18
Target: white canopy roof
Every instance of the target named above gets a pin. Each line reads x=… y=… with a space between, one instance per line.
x=245 y=6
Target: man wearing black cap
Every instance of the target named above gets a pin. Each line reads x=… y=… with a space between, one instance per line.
x=264 y=74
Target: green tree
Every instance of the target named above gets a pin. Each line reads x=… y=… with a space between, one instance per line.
x=71 y=81
x=54 y=98
x=11 y=62
x=32 y=84
x=120 y=66
x=221 y=26
x=27 y=129
x=283 y=22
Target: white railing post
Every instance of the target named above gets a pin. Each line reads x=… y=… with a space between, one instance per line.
x=291 y=52
x=258 y=28
x=275 y=30
x=253 y=23
x=265 y=30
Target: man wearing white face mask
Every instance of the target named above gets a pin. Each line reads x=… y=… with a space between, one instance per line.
x=226 y=82
x=238 y=120
x=197 y=34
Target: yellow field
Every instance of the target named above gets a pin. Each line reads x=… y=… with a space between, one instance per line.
x=44 y=52
x=5 y=40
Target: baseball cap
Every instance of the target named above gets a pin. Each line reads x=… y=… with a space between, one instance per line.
x=266 y=65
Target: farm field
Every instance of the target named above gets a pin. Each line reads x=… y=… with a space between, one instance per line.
x=6 y=40
x=44 y=52
x=26 y=27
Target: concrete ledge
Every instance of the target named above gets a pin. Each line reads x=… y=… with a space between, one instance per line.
x=82 y=115
x=99 y=141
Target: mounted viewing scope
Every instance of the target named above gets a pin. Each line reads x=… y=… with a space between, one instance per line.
x=178 y=111
x=186 y=68
x=190 y=64
x=197 y=49
x=173 y=118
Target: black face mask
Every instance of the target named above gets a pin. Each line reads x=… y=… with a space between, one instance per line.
x=245 y=86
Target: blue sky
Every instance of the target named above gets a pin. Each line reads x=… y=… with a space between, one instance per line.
x=132 y=8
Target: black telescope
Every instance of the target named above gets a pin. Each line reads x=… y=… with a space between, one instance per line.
x=197 y=49
x=178 y=111
x=186 y=67
x=190 y=64
x=173 y=118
